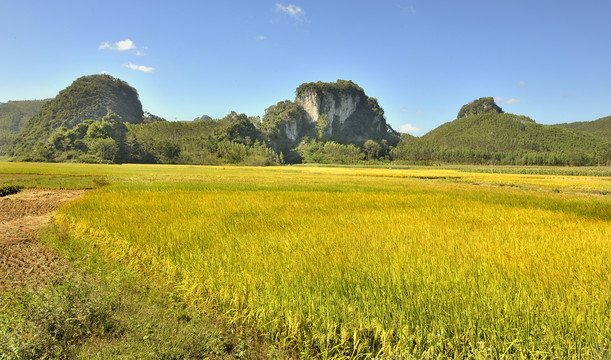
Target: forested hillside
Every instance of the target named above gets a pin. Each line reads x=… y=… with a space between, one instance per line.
x=232 y=139
x=499 y=138
x=600 y=128
x=13 y=117
x=88 y=98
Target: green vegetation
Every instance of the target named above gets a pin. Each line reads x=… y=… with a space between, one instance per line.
x=360 y=263
x=13 y=117
x=231 y=140
x=100 y=141
x=329 y=152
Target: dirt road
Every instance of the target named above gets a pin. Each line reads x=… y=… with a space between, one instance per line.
x=23 y=260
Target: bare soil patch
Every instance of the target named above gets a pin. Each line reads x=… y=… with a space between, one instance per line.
x=23 y=260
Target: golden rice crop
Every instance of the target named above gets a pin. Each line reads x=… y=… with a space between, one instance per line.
x=351 y=263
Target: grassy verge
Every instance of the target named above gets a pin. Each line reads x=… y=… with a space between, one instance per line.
x=104 y=311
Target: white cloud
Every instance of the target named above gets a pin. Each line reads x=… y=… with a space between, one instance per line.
x=293 y=10
x=122 y=45
x=508 y=101
x=105 y=46
x=126 y=44
x=409 y=8
x=521 y=83
x=408 y=128
x=140 y=67
x=260 y=37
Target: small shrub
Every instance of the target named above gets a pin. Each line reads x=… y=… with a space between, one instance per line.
x=257 y=160
x=9 y=189
x=100 y=182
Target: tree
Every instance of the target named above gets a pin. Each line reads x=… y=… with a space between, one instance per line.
x=104 y=148
x=321 y=127
x=373 y=149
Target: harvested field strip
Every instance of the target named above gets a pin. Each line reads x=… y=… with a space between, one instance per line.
x=23 y=260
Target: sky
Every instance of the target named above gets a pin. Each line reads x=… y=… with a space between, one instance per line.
x=422 y=59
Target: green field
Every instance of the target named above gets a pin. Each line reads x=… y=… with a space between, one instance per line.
x=363 y=263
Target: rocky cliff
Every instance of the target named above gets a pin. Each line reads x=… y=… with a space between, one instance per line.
x=338 y=111
x=334 y=108
x=341 y=111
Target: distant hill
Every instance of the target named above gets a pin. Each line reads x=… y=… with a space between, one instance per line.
x=491 y=136
x=88 y=98
x=13 y=117
x=600 y=128
x=508 y=132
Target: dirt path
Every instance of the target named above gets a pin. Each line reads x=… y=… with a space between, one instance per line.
x=23 y=260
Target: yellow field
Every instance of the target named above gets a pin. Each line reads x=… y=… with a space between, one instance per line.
x=361 y=263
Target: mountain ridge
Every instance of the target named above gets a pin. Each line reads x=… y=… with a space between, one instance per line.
x=99 y=118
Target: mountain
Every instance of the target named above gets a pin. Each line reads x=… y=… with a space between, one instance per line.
x=339 y=111
x=13 y=117
x=87 y=100
x=342 y=111
x=600 y=128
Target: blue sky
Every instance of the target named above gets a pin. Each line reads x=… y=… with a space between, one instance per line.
x=422 y=59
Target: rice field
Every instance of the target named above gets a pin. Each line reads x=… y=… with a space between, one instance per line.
x=369 y=263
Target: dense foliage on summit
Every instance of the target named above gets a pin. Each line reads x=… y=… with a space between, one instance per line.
x=100 y=119
x=340 y=86
x=480 y=106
